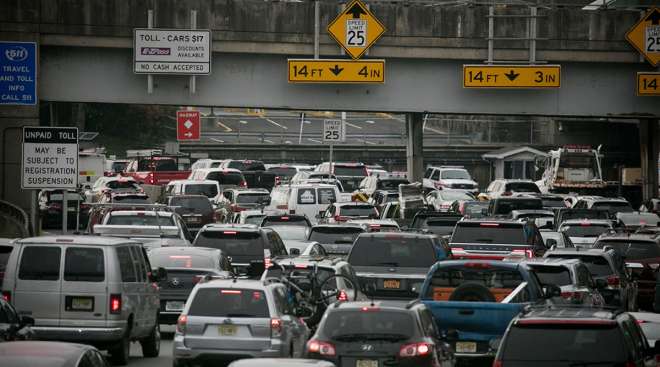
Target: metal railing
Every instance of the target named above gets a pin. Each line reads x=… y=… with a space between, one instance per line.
x=14 y=222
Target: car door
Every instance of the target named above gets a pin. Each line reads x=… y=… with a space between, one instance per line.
x=295 y=330
x=38 y=283
x=131 y=286
x=142 y=315
x=152 y=295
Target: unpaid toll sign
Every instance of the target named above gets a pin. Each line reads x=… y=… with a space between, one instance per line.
x=511 y=76
x=356 y=29
x=50 y=158
x=645 y=36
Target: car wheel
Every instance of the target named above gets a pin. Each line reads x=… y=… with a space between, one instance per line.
x=120 y=353
x=151 y=344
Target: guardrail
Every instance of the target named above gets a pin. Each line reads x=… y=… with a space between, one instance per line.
x=14 y=222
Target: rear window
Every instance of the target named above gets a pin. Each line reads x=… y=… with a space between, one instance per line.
x=522 y=187
x=326 y=196
x=557 y=275
x=283 y=171
x=196 y=204
x=358 y=211
x=553 y=203
x=582 y=344
x=613 y=206
x=392 y=251
x=597 y=265
x=285 y=221
x=490 y=278
x=157 y=165
x=214 y=302
x=121 y=185
x=506 y=206
x=455 y=174
x=130 y=199
x=347 y=325
x=40 y=263
x=232 y=242
x=140 y=220
x=226 y=178
x=84 y=265
x=349 y=170
x=585 y=230
x=332 y=235
x=391 y=184
x=245 y=198
x=632 y=250
x=247 y=165
x=498 y=233
x=207 y=190
x=180 y=261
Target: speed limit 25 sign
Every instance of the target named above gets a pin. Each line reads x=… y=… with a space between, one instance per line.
x=356 y=29
x=333 y=131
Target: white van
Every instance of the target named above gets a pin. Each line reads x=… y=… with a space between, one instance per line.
x=206 y=163
x=310 y=200
x=208 y=188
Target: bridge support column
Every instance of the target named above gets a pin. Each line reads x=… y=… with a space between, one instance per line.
x=649 y=143
x=415 y=146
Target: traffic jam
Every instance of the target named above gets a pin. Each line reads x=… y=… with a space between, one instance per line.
x=338 y=264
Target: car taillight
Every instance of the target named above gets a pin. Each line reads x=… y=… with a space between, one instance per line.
x=322 y=348
x=415 y=350
x=278 y=180
x=285 y=207
x=6 y=295
x=613 y=281
x=243 y=183
x=526 y=253
x=339 y=218
x=267 y=263
x=342 y=296
x=497 y=363
x=275 y=328
x=150 y=179
x=181 y=323
x=115 y=303
x=507 y=193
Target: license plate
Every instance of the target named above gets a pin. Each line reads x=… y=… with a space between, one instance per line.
x=82 y=304
x=466 y=347
x=227 y=330
x=174 y=306
x=71 y=209
x=366 y=363
x=392 y=284
x=192 y=219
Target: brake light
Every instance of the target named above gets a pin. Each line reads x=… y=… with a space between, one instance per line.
x=228 y=232
x=366 y=309
x=278 y=180
x=275 y=328
x=230 y=291
x=181 y=324
x=267 y=263
x=339 y=218
x=285 y=207
x=6 y=295
x=613 y=281
x=415 y=350
x=322 y=348
x=284 y=218
x=497 y=363
x=150 y=179
x=342 y=296
x=243 y=184
x=507 y=193
x=115 y=303
x=477 y=265
x=525 y=253
x=489 y=224
x=573 y=296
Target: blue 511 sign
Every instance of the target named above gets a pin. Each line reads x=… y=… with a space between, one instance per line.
x=18 y=73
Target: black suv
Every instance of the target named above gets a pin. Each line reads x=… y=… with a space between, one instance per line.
x=249 y=248
x=394 y=265
x=382 y=333
x=558 y=337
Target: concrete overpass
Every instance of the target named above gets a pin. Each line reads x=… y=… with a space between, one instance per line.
x=86 y=56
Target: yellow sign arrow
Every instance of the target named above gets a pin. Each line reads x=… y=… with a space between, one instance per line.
x=336 y=71
x=356 y=29
x=511 y=76
x=648 y=84
x=645 y=36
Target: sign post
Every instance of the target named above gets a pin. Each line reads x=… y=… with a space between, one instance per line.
x=18 y=73
x=188 y=126
x=50 y=161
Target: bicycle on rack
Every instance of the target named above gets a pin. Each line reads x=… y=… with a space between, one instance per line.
x=311 y=291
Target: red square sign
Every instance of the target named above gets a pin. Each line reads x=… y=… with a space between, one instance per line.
x=187 y=125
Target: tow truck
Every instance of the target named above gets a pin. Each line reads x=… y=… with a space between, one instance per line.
x=573 y=169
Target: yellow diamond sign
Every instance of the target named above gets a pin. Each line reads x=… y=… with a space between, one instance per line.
x=356 y=29
x=645 y=36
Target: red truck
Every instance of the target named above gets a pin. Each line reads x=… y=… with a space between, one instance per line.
x=155 y=170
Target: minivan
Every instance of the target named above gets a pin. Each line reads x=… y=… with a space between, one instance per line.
x=87 y=289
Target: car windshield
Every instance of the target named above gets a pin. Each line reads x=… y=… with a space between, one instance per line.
x=553 y=203
x=226 y=178
x=489 y=277
x=208 y=190
x=583 y=165
x=613 y=206
x=157 y=164
x=232 y=242
x=288 y=232
x=585 y=345
x=167 y=259
x=597 y=265
x=548 y=275
x=358 y=171
x=522 y=187
x=231 y=302
x=130 y=199
x=283 y=171
x=391 y=184
x=475 y=209
x=632 y=250
x=584 y=230
x=333 y=235
x=496 y=233
x=140 y=220
x=359 y=211
x=368 y=324
x=284 y=220
x=256 y=198
x=122 y=184
x=448 y=195
x=455 y=174
x=392 y=250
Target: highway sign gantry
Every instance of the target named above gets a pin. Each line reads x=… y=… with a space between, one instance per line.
x=512 y=76
x=336 y=71
x=645 y=36
x=356 y=29
x=648 y=84
x=50 y=158
x=187 y=125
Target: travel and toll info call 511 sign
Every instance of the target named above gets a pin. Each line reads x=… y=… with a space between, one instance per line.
x=645 y=36
x=356 y=29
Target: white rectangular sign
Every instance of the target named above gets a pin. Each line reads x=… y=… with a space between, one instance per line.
x=171 y=51
x=333 y=131
x=50 y=158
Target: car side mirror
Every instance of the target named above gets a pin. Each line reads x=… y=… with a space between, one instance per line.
x=26 y=321
x=550 y=243
x=601 y=283
x=551 y=291
x=294 y=251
